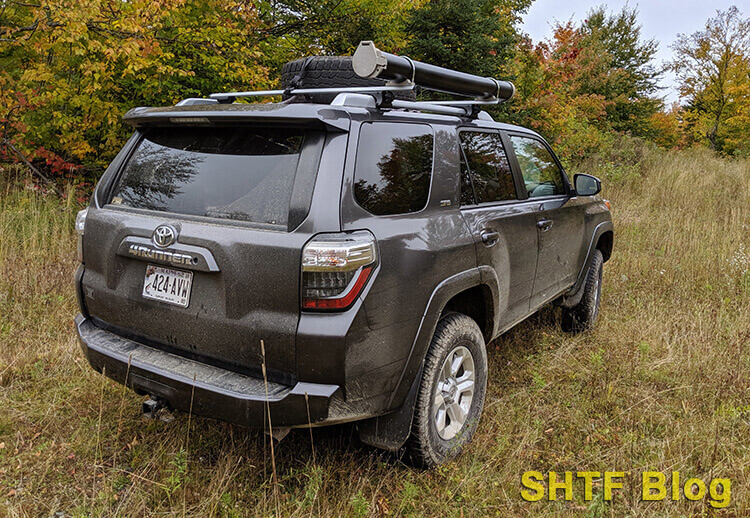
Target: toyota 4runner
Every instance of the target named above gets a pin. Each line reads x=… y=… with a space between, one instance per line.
x=342 y=255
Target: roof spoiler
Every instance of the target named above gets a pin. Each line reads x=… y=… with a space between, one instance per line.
x=198 y=114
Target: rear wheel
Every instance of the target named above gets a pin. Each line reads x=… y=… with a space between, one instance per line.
x=451 y=392
x=582 y=316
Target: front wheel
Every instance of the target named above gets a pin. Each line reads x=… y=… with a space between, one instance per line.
x=451 y=392
x=582 y=316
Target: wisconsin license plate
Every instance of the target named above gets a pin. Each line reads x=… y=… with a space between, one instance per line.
x=167 y=285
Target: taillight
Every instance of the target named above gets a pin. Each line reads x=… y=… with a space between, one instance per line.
x=335 y=269
x=80 y=224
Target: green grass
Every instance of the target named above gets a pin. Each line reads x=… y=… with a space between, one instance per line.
x=662 y=384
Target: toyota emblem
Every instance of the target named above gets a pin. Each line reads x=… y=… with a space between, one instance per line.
x=164 y=236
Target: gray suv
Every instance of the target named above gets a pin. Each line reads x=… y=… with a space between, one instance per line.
x=342 y=255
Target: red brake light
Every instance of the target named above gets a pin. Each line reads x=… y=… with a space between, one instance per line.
x=335 y=269
x=345 y=300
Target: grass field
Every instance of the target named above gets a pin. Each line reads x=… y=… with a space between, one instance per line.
x=662 y=384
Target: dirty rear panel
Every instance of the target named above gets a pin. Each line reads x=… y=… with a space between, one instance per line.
x=241 y=239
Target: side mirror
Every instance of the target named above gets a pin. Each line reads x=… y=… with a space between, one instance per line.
x=587 y=185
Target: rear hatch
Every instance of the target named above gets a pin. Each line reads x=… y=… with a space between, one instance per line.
x=197 y=243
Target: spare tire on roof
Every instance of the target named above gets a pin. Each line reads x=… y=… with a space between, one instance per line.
x=328 y=72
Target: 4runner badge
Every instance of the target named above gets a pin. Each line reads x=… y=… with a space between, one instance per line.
x=164 y=236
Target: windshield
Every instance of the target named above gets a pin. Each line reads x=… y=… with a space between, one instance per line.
x=244 y=174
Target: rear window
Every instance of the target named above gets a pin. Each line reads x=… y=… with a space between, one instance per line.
x=393 y=168
x=244 y=174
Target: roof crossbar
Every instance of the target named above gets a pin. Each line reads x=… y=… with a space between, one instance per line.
x=308 y=91
x=427 y=106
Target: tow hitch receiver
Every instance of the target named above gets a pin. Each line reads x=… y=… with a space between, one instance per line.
x=157 y=408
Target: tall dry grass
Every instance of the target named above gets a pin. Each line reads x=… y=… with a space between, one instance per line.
x=662 y=384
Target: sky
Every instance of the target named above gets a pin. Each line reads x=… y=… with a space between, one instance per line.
x=662 y=20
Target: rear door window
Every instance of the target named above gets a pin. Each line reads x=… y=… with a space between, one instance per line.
x=541 y=174
x=244 y=174
x=393 y=168
x=485 y=169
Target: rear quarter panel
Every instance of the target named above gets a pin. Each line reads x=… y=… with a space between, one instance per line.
x=417 y=252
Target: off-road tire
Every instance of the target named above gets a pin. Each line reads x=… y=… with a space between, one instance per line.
x=582 y=316
x=328 y=72
x=425 y=447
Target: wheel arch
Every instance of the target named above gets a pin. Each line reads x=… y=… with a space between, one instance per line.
x=456 y=293
x=605 y=243
x=476 y=303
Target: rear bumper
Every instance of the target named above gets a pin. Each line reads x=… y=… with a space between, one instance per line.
x=207 y=390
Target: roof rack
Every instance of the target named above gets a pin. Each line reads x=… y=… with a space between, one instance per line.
x=403 y=74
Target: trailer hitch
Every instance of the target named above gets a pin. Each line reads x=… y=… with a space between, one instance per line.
x=157 y=409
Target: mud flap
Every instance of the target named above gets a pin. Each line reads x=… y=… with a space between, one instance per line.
x=390 y=432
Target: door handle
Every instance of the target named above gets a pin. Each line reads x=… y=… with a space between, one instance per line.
x=544 y=224
x=490 y=237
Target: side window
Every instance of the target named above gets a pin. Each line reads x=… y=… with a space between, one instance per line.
x=467 y=191
x=541 y=175
x=486 y=167
x=393 y=168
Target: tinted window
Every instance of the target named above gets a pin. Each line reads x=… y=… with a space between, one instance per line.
x=242 y=174
x=393 y=168
x=467 y=191
x=540 y=172
x=487 y=167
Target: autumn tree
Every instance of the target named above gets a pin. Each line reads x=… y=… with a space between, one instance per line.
x=713 y=69
x=70 y=69
x=553 y=96
x=588 y=83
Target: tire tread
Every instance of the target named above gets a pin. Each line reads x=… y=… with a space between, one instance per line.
x=582 y=316
x=329 y=72
x=419 y=446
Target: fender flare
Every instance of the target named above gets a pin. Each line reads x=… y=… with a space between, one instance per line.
x=390 y=431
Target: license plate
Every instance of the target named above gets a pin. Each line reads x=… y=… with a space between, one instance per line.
x=167 y=285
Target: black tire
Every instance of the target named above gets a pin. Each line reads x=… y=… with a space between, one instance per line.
x=327 y=72
x=425 y=446
x=582 y=316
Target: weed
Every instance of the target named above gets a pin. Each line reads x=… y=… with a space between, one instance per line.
x=360 y=505
x=177 y=473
